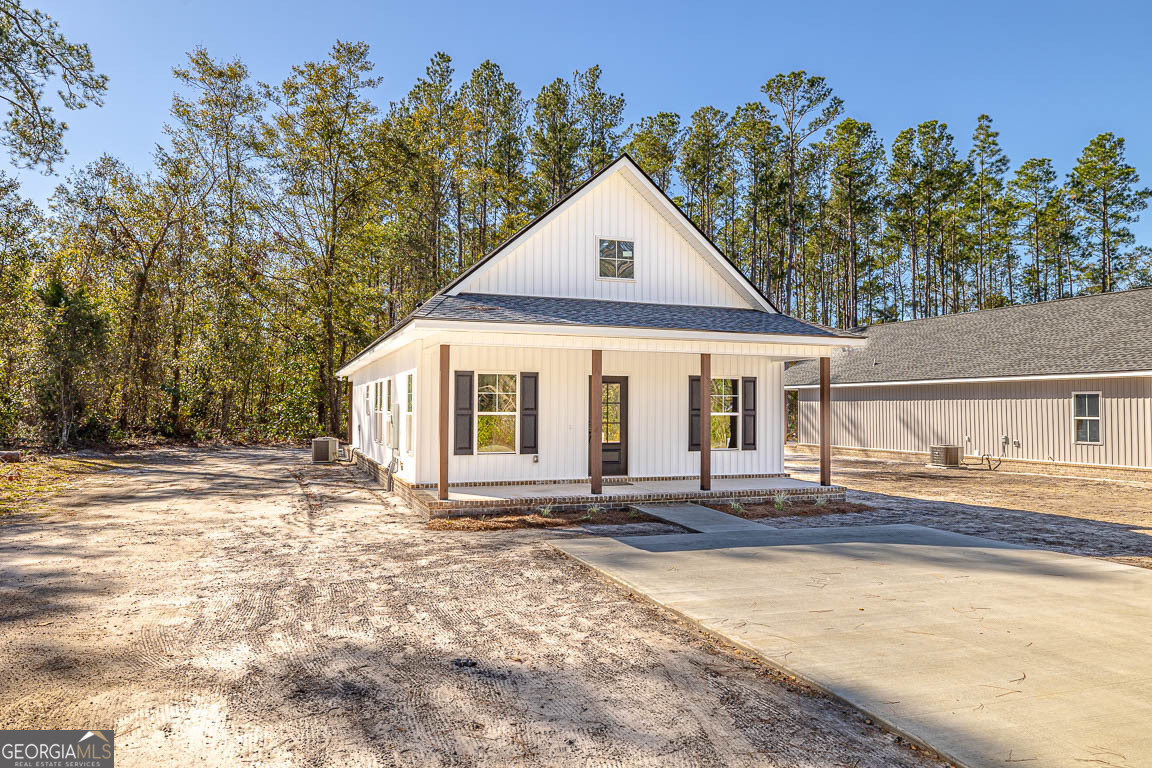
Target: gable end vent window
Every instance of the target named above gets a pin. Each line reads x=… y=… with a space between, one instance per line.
x=617 y=260
x=496 y=411
x=1087 y=416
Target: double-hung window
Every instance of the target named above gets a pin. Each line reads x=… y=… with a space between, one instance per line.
x=1086 y=416
x=617 y=259
x=408 y=417
x=725 y=414
x=496 y=410
x=388 y=415
x=377 y=413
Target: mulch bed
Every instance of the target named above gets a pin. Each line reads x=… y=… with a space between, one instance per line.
x=799 y=508
x=535 y=519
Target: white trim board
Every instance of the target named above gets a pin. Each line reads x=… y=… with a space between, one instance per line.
x=980 y=380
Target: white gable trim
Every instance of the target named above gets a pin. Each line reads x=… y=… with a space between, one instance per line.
x=640 y=182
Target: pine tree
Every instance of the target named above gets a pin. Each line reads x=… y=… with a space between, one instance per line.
x=857 y=161
x=704 y=160
x=1034 y=188
x=655 y=144
x=601 y=117
x=554 y=139
x=806 y=106
x=1104 y=189
x=988 y=165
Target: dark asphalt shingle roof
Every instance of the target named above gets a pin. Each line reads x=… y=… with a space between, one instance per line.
x=1090 y=334
x=500 y=308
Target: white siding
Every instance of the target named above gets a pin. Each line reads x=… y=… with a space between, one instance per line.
x=658 y=413
x=396 y=367
x=1035 y=415
x=560 y=257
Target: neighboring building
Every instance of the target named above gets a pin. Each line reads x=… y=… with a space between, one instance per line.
x=1065 y=382
x=489 y=381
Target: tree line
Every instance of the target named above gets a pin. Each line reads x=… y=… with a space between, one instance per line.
x=282 y=226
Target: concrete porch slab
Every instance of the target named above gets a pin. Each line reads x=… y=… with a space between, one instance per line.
x=478 y=499
x=987 y=652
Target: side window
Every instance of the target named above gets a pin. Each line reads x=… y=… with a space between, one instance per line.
x=617 y=259
x=408 y=417
x=388 y=415
x=1086 y=416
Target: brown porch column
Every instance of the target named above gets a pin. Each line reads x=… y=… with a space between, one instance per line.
x=825 y=421
x=705 y=422
x=445 y=416
x=349 y=383
x=596 y=422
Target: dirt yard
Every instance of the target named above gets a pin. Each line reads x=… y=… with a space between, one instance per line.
x=242 y=607
x=1101 y=518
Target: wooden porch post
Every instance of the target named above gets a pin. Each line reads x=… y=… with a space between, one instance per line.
x=825 y=421
x=445 y=416
x=596 y=422
x=705 y=421
x=349 y=382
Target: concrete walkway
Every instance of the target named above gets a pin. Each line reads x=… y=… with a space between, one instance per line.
x=697 y=518
x=989 y=653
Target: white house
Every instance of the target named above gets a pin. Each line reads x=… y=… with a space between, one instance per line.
x=600 y=318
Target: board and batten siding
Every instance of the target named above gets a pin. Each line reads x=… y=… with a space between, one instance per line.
x=657 y=403
x=396 y=367
x=561 y=257
x=1036 y=417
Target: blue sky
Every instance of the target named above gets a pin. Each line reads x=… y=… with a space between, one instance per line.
x=1051 y=74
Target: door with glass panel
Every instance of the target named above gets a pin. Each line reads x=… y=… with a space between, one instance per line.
x=614 y=425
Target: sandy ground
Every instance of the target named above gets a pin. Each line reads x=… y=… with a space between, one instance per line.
x=1100 y=518
x=242 y=607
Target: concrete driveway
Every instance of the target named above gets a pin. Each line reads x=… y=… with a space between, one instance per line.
x=990 y=653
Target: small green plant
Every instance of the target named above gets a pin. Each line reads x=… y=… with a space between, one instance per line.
x=780 y=498
x=546 y=510
x=821 y=501
x=736 y=507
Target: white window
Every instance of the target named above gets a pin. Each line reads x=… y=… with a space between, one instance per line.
x=408 y=417
x=617 y=259
x=725 y=414
x=1086 y=415
x=388 y=414
x=377 y=413
x=496 y=410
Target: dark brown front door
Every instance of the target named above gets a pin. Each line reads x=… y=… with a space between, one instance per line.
x=614 y=426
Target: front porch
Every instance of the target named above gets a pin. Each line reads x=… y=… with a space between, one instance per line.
x=616 y=493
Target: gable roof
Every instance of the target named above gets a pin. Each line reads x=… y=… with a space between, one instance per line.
x=655 y=196
x=546 y=310
x=1097 y=334
x=704 y=243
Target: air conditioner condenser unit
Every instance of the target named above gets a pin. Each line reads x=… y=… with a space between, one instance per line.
x=325 y=450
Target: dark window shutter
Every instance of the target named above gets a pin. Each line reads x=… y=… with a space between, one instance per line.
x=529 y=402
x=693 y=413
x=748 y=414
x=462 y=423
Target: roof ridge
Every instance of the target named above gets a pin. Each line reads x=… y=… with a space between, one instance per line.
x=967 y=313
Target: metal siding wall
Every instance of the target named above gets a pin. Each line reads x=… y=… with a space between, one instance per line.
x=561 y=258
x=658 y=413
x=1035 y=414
